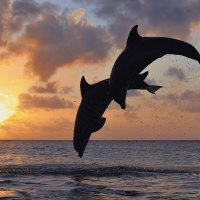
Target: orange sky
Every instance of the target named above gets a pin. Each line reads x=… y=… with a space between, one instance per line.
x=47 y=46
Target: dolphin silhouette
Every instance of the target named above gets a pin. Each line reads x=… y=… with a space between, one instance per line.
x=95 y=100
x=138 y=54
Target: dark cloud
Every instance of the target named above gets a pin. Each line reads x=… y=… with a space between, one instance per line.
x=61 y=43
x=190 y=95
x=176 y=73
x=51 y=87
x=169 y=17
x=52 y=39
x=134 y=93
x=190 y=101
x=4 y=14
x=27 y=101
x=66 y=90
x=30 y=8
x=168 y=99
x=24 y=12
x=187 y=101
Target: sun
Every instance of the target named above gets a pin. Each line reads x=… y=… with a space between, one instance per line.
x=5 y=112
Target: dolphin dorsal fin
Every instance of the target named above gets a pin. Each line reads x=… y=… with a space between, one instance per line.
x=84 y=86
x=133 y=36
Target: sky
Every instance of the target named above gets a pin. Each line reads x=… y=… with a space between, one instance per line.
x=46 y=46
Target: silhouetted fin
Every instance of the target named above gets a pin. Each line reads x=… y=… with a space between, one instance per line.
x=153 y=88
x=161 y=46
x=121 y=98
x=98 y=125
x=133 y=36
x=84 y=86
x=138 y=82
x=143 y=75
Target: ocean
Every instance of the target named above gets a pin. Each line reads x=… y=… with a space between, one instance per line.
x=108 y=170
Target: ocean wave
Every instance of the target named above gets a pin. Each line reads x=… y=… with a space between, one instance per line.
x=5 y=181
x=107 y=171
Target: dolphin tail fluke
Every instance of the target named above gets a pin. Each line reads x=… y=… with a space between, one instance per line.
x=153 y=88
x=178 y=47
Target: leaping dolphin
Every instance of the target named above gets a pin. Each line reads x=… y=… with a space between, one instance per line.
x=138 y=54
x=95 y=100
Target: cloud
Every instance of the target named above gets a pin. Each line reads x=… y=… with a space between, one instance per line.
x=190 y=95
x=27 y=101
x=57 y=45
x=151 y=81
x=66 y=90
x=168 y=18
x=168 y=99
x=52 y=39
x=27 y=128
x=131 y=112
x=176 y=73
x=133 y=93
x=188 y=101
x=51 y=87
x=4 y=8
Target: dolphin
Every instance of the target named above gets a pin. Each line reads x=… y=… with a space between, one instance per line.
x=138 y=54
x=95 y=100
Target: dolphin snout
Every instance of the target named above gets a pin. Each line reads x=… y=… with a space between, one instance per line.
x=80 y=155
x=80 y=145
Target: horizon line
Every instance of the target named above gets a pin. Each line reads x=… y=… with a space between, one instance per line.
x=125 y=140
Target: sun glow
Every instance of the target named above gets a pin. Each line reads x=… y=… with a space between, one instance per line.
x=7 y=106
x=5 y=112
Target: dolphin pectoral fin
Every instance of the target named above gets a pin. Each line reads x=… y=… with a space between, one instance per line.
x=143 y=75
x=123 y=105
x=153 y=88
x=98 y=125
x=121 y=98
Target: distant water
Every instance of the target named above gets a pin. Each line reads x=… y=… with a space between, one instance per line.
x=108 y=170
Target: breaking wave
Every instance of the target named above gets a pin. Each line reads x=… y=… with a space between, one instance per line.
x=69 y=170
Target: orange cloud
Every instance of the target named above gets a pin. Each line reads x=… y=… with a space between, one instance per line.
x=51 y=87
x=26 y=126
x=27 y=101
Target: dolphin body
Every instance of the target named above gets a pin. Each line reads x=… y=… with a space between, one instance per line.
x=138 y=54
x=95 y=100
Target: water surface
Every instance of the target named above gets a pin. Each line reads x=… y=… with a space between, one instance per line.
x=108 y=170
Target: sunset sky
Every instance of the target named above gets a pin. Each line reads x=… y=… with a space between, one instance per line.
x=46 y=46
